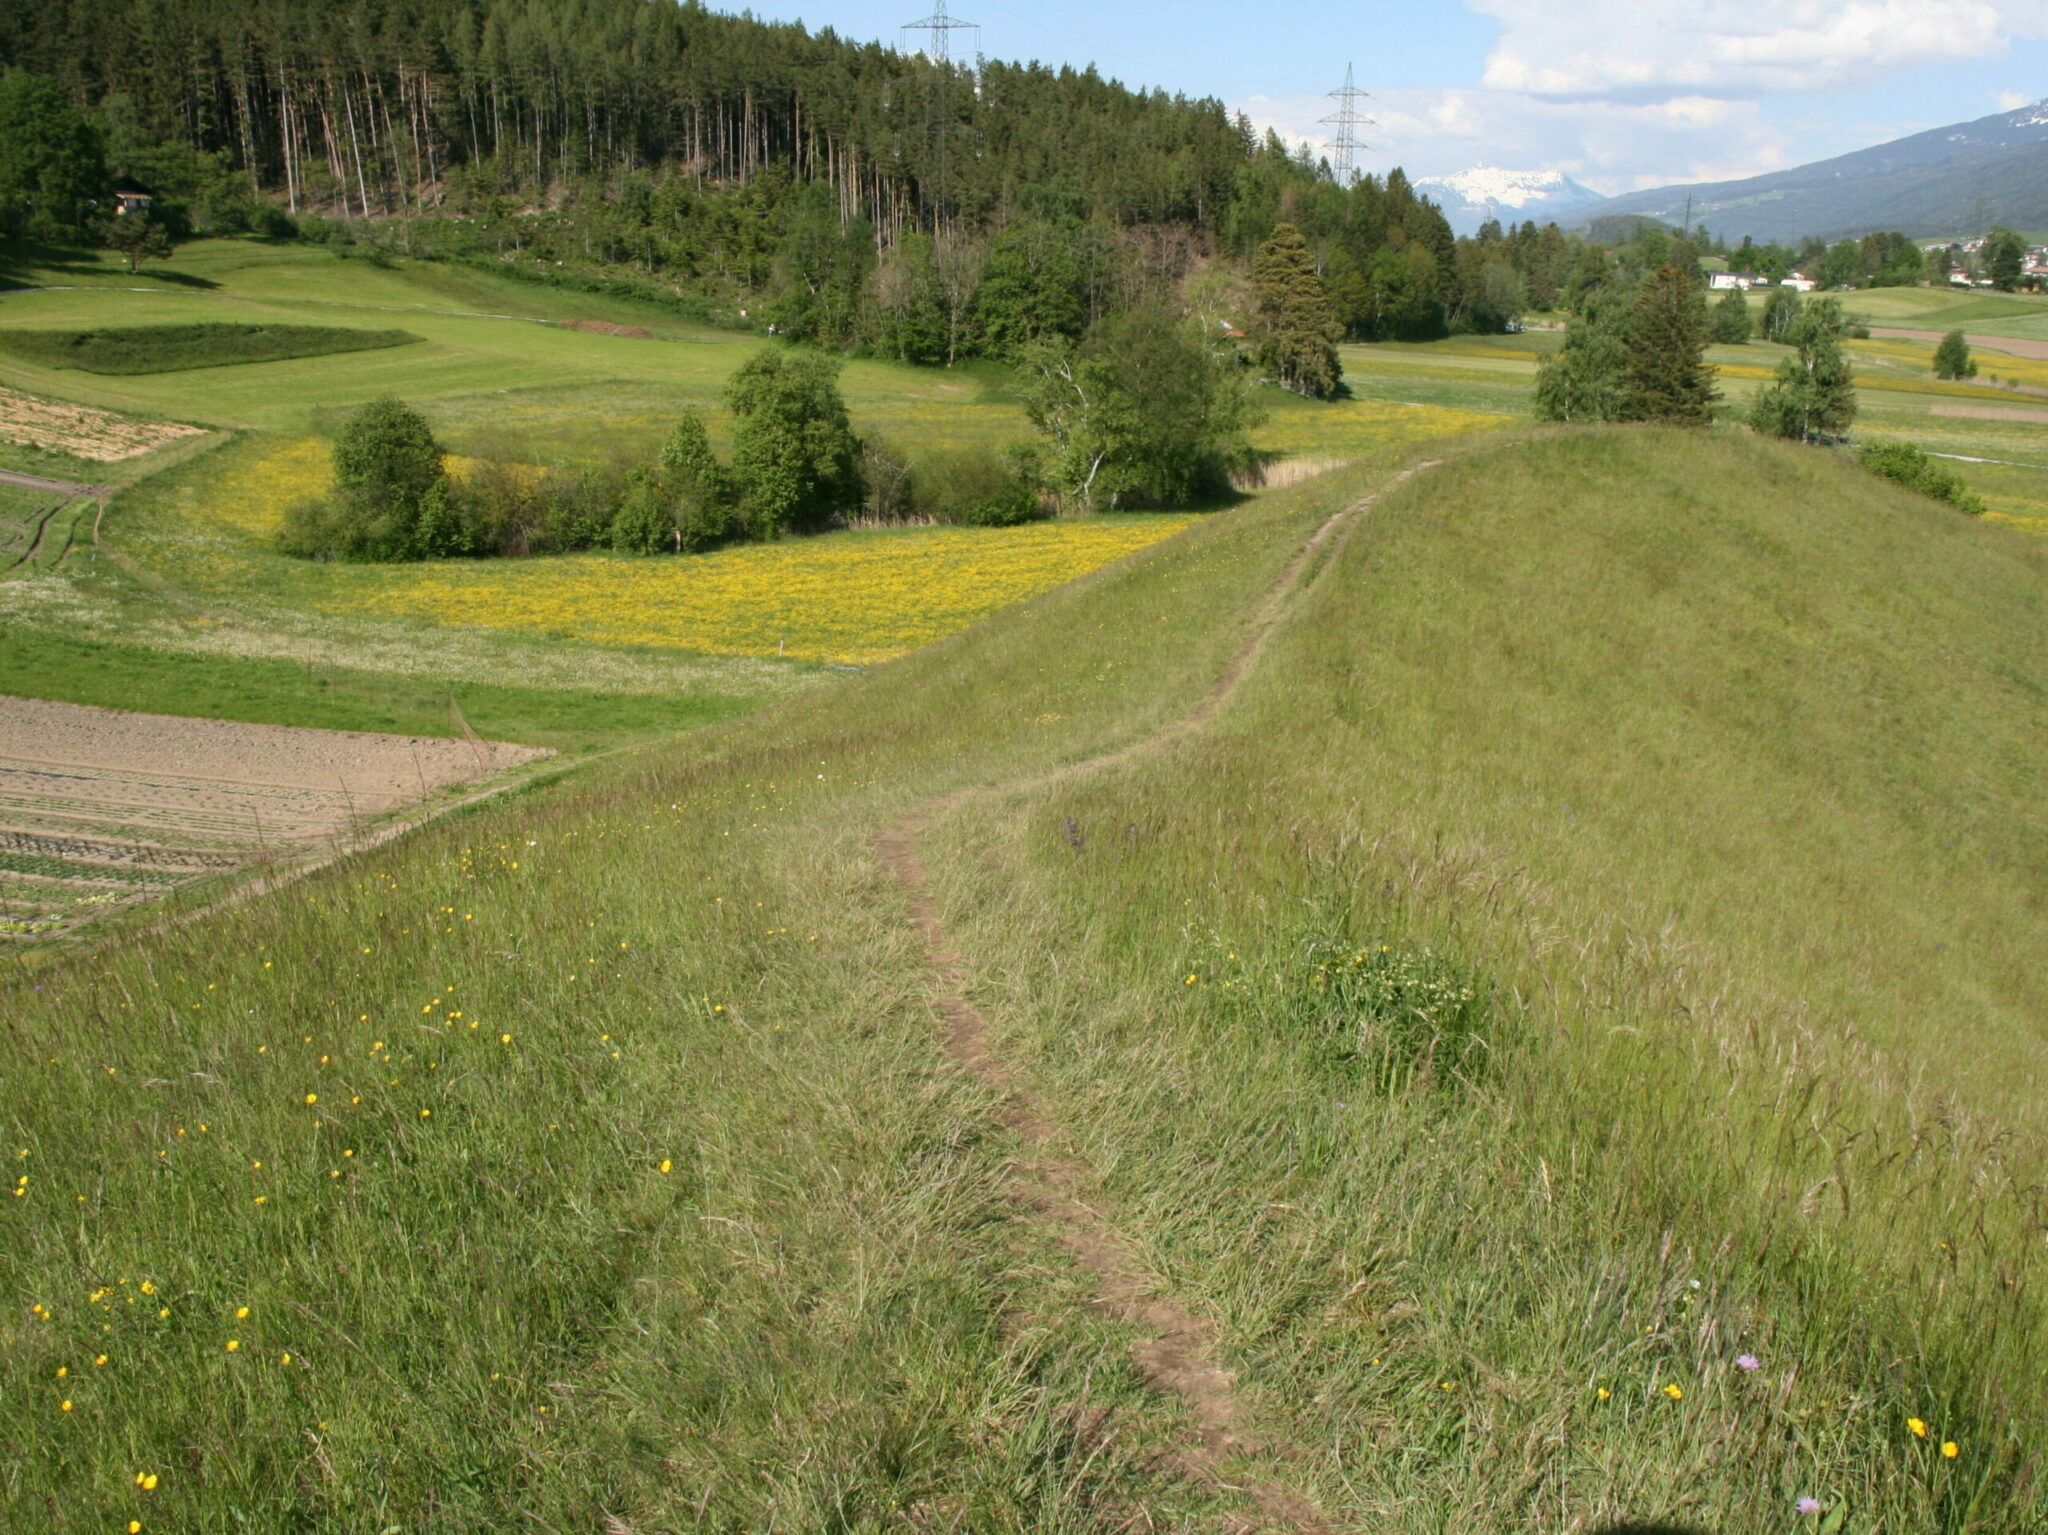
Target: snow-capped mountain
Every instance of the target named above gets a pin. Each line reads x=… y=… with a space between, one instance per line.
x=1485 y=192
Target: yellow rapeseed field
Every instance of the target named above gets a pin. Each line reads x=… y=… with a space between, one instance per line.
x=856 y=598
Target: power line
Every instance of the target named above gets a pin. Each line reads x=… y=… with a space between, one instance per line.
x=939 y=29
x=1347 y=120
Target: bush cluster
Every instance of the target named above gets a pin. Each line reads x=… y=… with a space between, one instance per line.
x=968 y=488
x=796 y=466
x=1911 y=467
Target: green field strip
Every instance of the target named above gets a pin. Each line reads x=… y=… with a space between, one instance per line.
x=41 y=866
x=98 y=851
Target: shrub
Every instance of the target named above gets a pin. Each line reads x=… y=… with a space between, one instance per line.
x=886 y=478
x=1952 y=358
x=1909 y=466
x=1404 y=1016
x=391 y=496
x=974 y=489
x=664 y=511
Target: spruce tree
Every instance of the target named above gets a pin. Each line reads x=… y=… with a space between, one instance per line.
x=1668 y=379
x=1813 y=398
x=1732 y=325
x=1952 y=358
x=1297 y=326
x=2005 y=259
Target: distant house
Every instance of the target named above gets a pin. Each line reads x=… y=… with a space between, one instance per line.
x=1799 y=282
x=1734 y=282
x=131 y=196
x=1959 y=279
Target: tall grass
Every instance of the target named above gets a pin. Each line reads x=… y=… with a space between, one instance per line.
x=632 y=1183
x=1689 y=785
x=1709 y=764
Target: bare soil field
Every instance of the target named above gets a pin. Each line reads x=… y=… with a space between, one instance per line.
x=101 y=810
x=82 y=431
x=1993 y=413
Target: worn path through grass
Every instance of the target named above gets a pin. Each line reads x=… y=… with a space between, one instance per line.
x=1176 y=1351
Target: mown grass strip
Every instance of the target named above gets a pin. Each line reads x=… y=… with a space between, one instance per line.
x=133 y=349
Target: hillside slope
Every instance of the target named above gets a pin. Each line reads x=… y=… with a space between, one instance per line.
x=1946 y=181
x=1531 y=982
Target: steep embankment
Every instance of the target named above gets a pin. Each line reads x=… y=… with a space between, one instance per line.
x=1499 y=1006
x=1574 y=1020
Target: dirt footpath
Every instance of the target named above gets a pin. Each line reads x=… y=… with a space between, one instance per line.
x=100 y=809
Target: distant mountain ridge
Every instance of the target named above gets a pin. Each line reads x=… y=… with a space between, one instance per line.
x=1954 y=180
x=1485 y=192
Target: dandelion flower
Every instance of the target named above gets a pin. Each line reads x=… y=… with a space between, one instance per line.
x=99 y=1361
x=284 y=1358
x=134 y=1527
x=1917 y=1427
x=241 y=1313
x=1950 y=1449
x=65 y=1405
x=1602 y=1394
x=234 y=1345
x=312 y=1098
x=1675 y=1391
x=147 y=1481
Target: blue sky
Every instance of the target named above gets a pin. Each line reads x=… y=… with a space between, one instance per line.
x=1618 y=93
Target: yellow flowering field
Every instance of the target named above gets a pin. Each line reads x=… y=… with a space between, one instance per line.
x=856 y=598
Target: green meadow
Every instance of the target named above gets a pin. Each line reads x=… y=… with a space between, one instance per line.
x=1561 y=1013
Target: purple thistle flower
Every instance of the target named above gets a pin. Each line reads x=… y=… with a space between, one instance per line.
x=1809 y=1505
x=1748 y=1363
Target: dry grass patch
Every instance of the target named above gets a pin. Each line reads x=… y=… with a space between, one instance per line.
x=56 y=427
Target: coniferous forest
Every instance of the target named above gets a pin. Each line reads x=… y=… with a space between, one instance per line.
x=870 y=192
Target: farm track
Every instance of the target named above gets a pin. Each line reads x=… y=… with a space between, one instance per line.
x=70 y=490
x=35 y=539
x=1177 y=1353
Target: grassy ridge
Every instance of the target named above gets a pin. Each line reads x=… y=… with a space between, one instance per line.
x=1709 y=764
x=130 y=349
x=1718 y=799
x=797 y=1322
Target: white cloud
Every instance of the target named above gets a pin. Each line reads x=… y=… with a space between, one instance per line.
x=2012 y=101
x=1610 y=146
x=1641 y=49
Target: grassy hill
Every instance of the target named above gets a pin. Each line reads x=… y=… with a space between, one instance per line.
x=1592 y=949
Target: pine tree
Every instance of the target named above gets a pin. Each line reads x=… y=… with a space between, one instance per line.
x=1668 y=379
x=1297 y=327
x=1813 y=398
x=1952 y=358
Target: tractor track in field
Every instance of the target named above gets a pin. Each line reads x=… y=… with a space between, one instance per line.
x=1177 y=1353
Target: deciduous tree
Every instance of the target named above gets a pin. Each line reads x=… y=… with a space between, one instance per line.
x=1813 y=398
